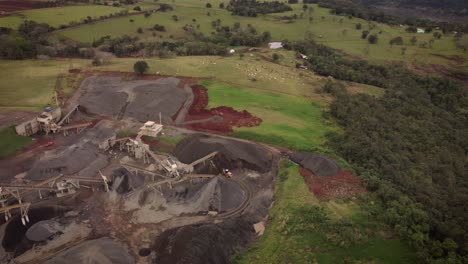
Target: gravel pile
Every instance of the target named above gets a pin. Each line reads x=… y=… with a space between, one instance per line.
x=103 y=250
x=141 y=100
x=317 y=164
x=43 y=230
x=234 y=154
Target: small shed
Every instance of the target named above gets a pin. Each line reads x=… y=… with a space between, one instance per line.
x=420 y=30
x=151 y=129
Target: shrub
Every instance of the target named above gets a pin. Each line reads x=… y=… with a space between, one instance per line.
x=140 y=67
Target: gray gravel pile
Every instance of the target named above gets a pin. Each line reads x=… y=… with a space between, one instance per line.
x=218 y=194
x=68 y=161
x=141 y=100
x=98 y=251
x=43 y=230
x=317 y=164
x=234 y=154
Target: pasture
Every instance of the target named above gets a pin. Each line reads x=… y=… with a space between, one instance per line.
x=29 y=84
x=335 y=31
x=288 y=121
x=57 y=16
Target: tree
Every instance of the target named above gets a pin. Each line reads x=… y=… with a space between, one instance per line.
x=275 y=57
x=208 y=5
x=414 y=40
x=293 y=1
x=364 y=34
x=137 y=8
x=140 y=67
x=221 y=5
x=373 y=39
x=139 y=30
x=147 y=14
x=358 y=26
x=396 y=41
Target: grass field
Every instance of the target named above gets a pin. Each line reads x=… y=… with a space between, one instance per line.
x=289 y=121
x=10 y=142
x=241 y=72
x=57 y=16
x=336 y=31
x=292 y=236
x=30 y=84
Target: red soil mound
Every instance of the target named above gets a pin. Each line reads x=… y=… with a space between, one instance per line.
x=13 y=5
x=230 y=117
x=342 y=185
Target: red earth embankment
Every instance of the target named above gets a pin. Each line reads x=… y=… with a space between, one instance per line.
x=230 y=117
x=342 y=185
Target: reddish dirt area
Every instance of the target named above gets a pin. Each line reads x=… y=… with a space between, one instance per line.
x=230 y=117
x=342 y=185
x=14 y=5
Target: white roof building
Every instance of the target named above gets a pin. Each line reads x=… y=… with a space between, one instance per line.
x=275 y=45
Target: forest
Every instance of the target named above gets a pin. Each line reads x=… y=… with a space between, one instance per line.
x=365 y=11
x=458 y=7
x=252 y=8
x=410 y=145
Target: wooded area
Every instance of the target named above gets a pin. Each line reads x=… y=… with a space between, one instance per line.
x=410 y=145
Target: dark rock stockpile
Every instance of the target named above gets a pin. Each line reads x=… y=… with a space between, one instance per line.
x=319 y=165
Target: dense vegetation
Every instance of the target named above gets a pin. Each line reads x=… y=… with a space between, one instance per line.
x=348 y=7
x=252 y=8
x=198 y=44
x=410 y=145
x=458 y=7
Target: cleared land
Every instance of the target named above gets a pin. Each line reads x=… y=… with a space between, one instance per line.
x=335 y=31
x=29 y=84
x=57 y=16
x=294 y=234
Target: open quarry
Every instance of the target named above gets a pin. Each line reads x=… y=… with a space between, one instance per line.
x=95 y=196
x=100 y=185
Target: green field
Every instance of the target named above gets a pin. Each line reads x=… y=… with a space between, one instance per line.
x=57 y=16
x=288 y=121
x=335 y=31
x=251 y=72
x=293 y=236
x=30 y=84
x=10 y=142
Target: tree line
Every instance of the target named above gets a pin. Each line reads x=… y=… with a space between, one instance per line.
x=410 y=145
x=253 y=8
x=350 y=8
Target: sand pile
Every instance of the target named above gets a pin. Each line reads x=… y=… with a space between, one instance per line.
x=317 y=164
x=140 y=99
x=103 y=250
x=232 y=153
x=217 y=194
x=43 y=230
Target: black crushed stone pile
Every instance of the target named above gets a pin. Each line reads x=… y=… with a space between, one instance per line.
x=317 y=164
